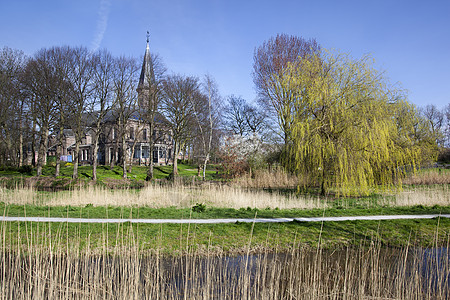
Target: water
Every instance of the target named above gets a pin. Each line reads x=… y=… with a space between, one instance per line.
x=374 y=272
x=426 y=270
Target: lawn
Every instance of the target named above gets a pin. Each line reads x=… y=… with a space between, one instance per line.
x=111 y=177
x=231 y=238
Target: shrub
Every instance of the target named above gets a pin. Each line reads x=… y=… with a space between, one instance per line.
x=199 y=207
x=27 y=169
x=444 y=156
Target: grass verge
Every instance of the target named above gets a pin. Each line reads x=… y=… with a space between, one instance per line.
x=178 y=239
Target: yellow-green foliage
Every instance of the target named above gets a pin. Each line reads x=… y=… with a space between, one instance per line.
x=350 y=131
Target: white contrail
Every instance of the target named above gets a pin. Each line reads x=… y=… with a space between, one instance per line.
x=102 y=23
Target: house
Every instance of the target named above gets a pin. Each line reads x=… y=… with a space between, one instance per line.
x=137 y=132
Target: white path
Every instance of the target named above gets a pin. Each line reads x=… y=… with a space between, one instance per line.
x=217 y=221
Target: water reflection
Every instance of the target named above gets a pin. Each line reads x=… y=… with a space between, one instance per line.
x=392 y=272
x=355 y=272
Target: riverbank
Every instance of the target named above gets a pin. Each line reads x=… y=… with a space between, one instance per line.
x=395 y=259
x=221 y=202
x=232 y=239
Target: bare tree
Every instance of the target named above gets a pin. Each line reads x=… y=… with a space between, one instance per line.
x=447 y=124
x=206 y=108
x=234 y=115
x=12 y=105
x=41 y=83
x=435 y=119
x=102 y=101
x=81 y=75
x=242 y=118
x=255 y=120
x=59 y=61
x=124 y=83
x=269 y=65
x=179 y=111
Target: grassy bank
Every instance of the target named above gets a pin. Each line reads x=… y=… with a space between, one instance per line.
x=219 y=201
x=397 y=259
x=199 y=211
x=237 y=238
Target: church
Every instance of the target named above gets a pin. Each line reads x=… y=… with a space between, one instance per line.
x=138 y=135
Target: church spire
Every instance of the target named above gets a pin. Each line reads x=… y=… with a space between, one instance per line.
x=147 y=77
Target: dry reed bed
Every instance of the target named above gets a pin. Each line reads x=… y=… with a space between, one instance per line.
x=161 y=196
x=210 y=194
x=365 y=272
x=428 y=178
x=275 y=178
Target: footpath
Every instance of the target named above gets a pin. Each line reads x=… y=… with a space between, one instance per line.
x=217 y=221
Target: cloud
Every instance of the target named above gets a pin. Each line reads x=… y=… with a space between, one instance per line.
x=102 y=23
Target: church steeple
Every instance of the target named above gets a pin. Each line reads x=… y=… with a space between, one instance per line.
x=147 y=78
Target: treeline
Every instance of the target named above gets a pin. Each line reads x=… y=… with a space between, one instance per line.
x=70 y=87
x=325 y=115
x=338 y=121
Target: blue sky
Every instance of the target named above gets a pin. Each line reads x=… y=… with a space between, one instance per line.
x=410 y=40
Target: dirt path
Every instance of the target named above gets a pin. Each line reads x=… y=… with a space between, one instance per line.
x=217 y=221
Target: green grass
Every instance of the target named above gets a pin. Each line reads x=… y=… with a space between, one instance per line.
x=105 y=173
x=231 y=238
x=90 y=211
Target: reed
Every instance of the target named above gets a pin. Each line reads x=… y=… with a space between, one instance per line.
x=157 y=196
x=62 y=269
x=429 y=177
x=265 y=178
x=213 y=195
x=424 y=195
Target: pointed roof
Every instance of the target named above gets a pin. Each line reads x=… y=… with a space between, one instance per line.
x=147 y=69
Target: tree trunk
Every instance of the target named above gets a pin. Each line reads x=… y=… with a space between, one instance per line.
x=42 y=150
x=58 y=160
x=130 y=163
x=151 y=144
x=323 y=185
x=20 y=162
x=175 y=167
x=94 y=158
x=112 y=162
x=175 y=160
x=124 y=156
x=151 y=165
x=33 y=145
x=133 y=147
x=204 y=166
x=150 y=172
x=59 y=150
x=75 y=158
x=20 y=145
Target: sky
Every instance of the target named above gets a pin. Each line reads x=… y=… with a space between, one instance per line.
x=409 y=40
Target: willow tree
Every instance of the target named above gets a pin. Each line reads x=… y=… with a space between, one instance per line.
x=344 y=133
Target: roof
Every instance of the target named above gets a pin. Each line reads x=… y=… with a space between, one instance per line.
x=134 y=114
x=147 y=70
